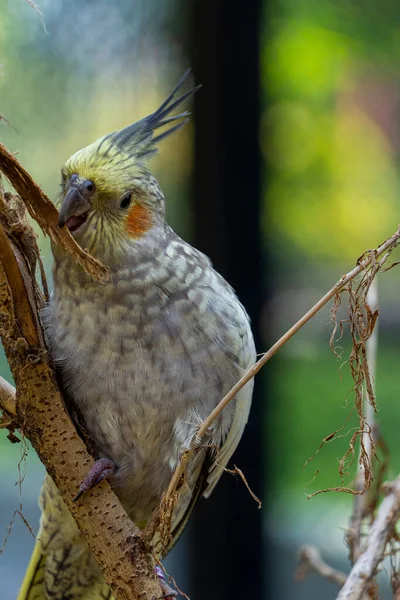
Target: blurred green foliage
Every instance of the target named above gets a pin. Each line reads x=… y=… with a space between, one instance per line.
x=329 y=133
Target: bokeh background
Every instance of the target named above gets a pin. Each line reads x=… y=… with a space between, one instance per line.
x=287 y=173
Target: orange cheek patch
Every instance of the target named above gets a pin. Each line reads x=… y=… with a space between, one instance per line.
x=138 y=221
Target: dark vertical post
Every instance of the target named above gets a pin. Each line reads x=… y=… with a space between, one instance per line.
x=226 y=539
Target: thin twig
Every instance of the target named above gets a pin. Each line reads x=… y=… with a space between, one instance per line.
x=310 y=560
x=7 y=397
x=237 y=471
x=39 y=12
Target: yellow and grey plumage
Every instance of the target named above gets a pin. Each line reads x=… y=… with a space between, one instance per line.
x=145 y=357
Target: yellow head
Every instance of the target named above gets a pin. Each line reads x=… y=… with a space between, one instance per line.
x=108 y=196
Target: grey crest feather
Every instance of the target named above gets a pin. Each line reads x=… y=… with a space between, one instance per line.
x=139 y=138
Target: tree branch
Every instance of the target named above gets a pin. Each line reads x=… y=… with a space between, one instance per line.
x=310 y=560
x=7 y=397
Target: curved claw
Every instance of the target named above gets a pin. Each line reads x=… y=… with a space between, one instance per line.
x=102 y=469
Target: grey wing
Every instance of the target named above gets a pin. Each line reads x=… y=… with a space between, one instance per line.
x=208 y=465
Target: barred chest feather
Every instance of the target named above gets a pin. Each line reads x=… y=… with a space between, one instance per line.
x=146 y=357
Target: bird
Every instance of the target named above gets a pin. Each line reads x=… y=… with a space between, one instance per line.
x=142 y=358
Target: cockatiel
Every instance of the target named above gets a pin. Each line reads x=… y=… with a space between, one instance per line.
x=143 y=358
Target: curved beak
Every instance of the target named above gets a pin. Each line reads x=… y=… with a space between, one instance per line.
x=74 y=205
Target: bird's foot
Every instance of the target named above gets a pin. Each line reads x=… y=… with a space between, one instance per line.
x=102 y=469
x=168 y=592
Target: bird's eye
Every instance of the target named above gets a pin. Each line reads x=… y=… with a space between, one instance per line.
x=89 y=185
x=126 y=200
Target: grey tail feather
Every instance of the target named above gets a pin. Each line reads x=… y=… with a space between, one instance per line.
x=142 y=131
